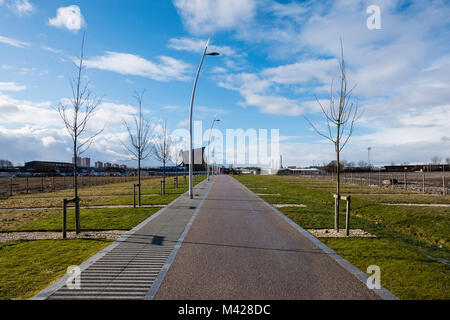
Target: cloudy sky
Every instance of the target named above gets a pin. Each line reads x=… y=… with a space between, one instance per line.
x=276 y=57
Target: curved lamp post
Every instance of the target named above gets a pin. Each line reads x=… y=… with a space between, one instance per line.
x=191 y=155
x=209 y=142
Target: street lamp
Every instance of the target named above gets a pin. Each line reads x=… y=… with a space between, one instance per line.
x=209 y=142
x=191 y=155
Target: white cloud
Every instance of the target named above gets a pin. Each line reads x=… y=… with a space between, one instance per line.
x=198 y=45
x=20 y=7
x=128 y=64
x=14 y=42
x=68 y=17
x=11 y=86
x=208 y=16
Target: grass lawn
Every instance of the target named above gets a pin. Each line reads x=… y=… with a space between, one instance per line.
x=27 y=267
x=412 y=249
x=93 y=219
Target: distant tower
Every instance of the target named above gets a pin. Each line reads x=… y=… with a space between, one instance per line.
x=281 y=161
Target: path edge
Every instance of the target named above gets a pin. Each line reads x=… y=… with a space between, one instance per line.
x=361 y=276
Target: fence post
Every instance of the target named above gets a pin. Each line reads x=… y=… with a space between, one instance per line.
x=347 y=217
x=443 y=186
x=423 y=182
x=27 y=185
x=64 y=218
x=42 y=183
x=392 y=181
x=10 y=186
x=379 y=177
x=53 y=183
x=406 y=182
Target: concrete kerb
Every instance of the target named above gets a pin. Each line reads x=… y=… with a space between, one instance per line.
x=61 y=282
x=383 y=292
x=162 y=274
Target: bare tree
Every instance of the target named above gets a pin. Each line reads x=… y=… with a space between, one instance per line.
x=340 y=116
x=76 y=114
x=162 y=150
x=6 y=164
x=139 y=138
x=435 y=160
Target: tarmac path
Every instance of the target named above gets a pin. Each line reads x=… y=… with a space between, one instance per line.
x=238 y=248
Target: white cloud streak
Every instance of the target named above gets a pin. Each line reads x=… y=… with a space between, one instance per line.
x=13 y=42
x=209 y=16
x=128 y=64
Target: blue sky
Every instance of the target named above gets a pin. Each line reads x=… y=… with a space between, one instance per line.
x=276 y=57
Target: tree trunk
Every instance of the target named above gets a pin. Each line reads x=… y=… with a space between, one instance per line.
x=75 y=188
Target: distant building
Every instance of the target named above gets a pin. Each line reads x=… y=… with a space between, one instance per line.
x=47 y=166
x=82 y=162
x=99 y=165
x=85 y=162
x=123 y=167
x=115 y=165
x=199 y=159
x=107 y=165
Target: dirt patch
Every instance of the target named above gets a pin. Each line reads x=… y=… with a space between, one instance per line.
x=331 y=233
x=14 y=236
x=417 y=204
x=289 y=205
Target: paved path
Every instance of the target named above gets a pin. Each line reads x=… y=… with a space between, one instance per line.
x=128 y=268
x=238 y=248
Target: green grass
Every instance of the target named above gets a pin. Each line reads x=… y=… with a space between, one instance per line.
x=27 y=267
x=412 y=239
x=93 y=219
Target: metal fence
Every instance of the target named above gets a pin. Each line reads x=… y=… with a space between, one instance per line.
x=426 y=182
x=28 y=185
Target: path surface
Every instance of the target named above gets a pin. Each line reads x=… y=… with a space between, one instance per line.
x=237 y=248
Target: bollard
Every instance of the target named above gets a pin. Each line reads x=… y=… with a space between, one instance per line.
x=77 y=214
x=64 y=217
x=134 y=196
x=347 y=217
x=175 y=182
